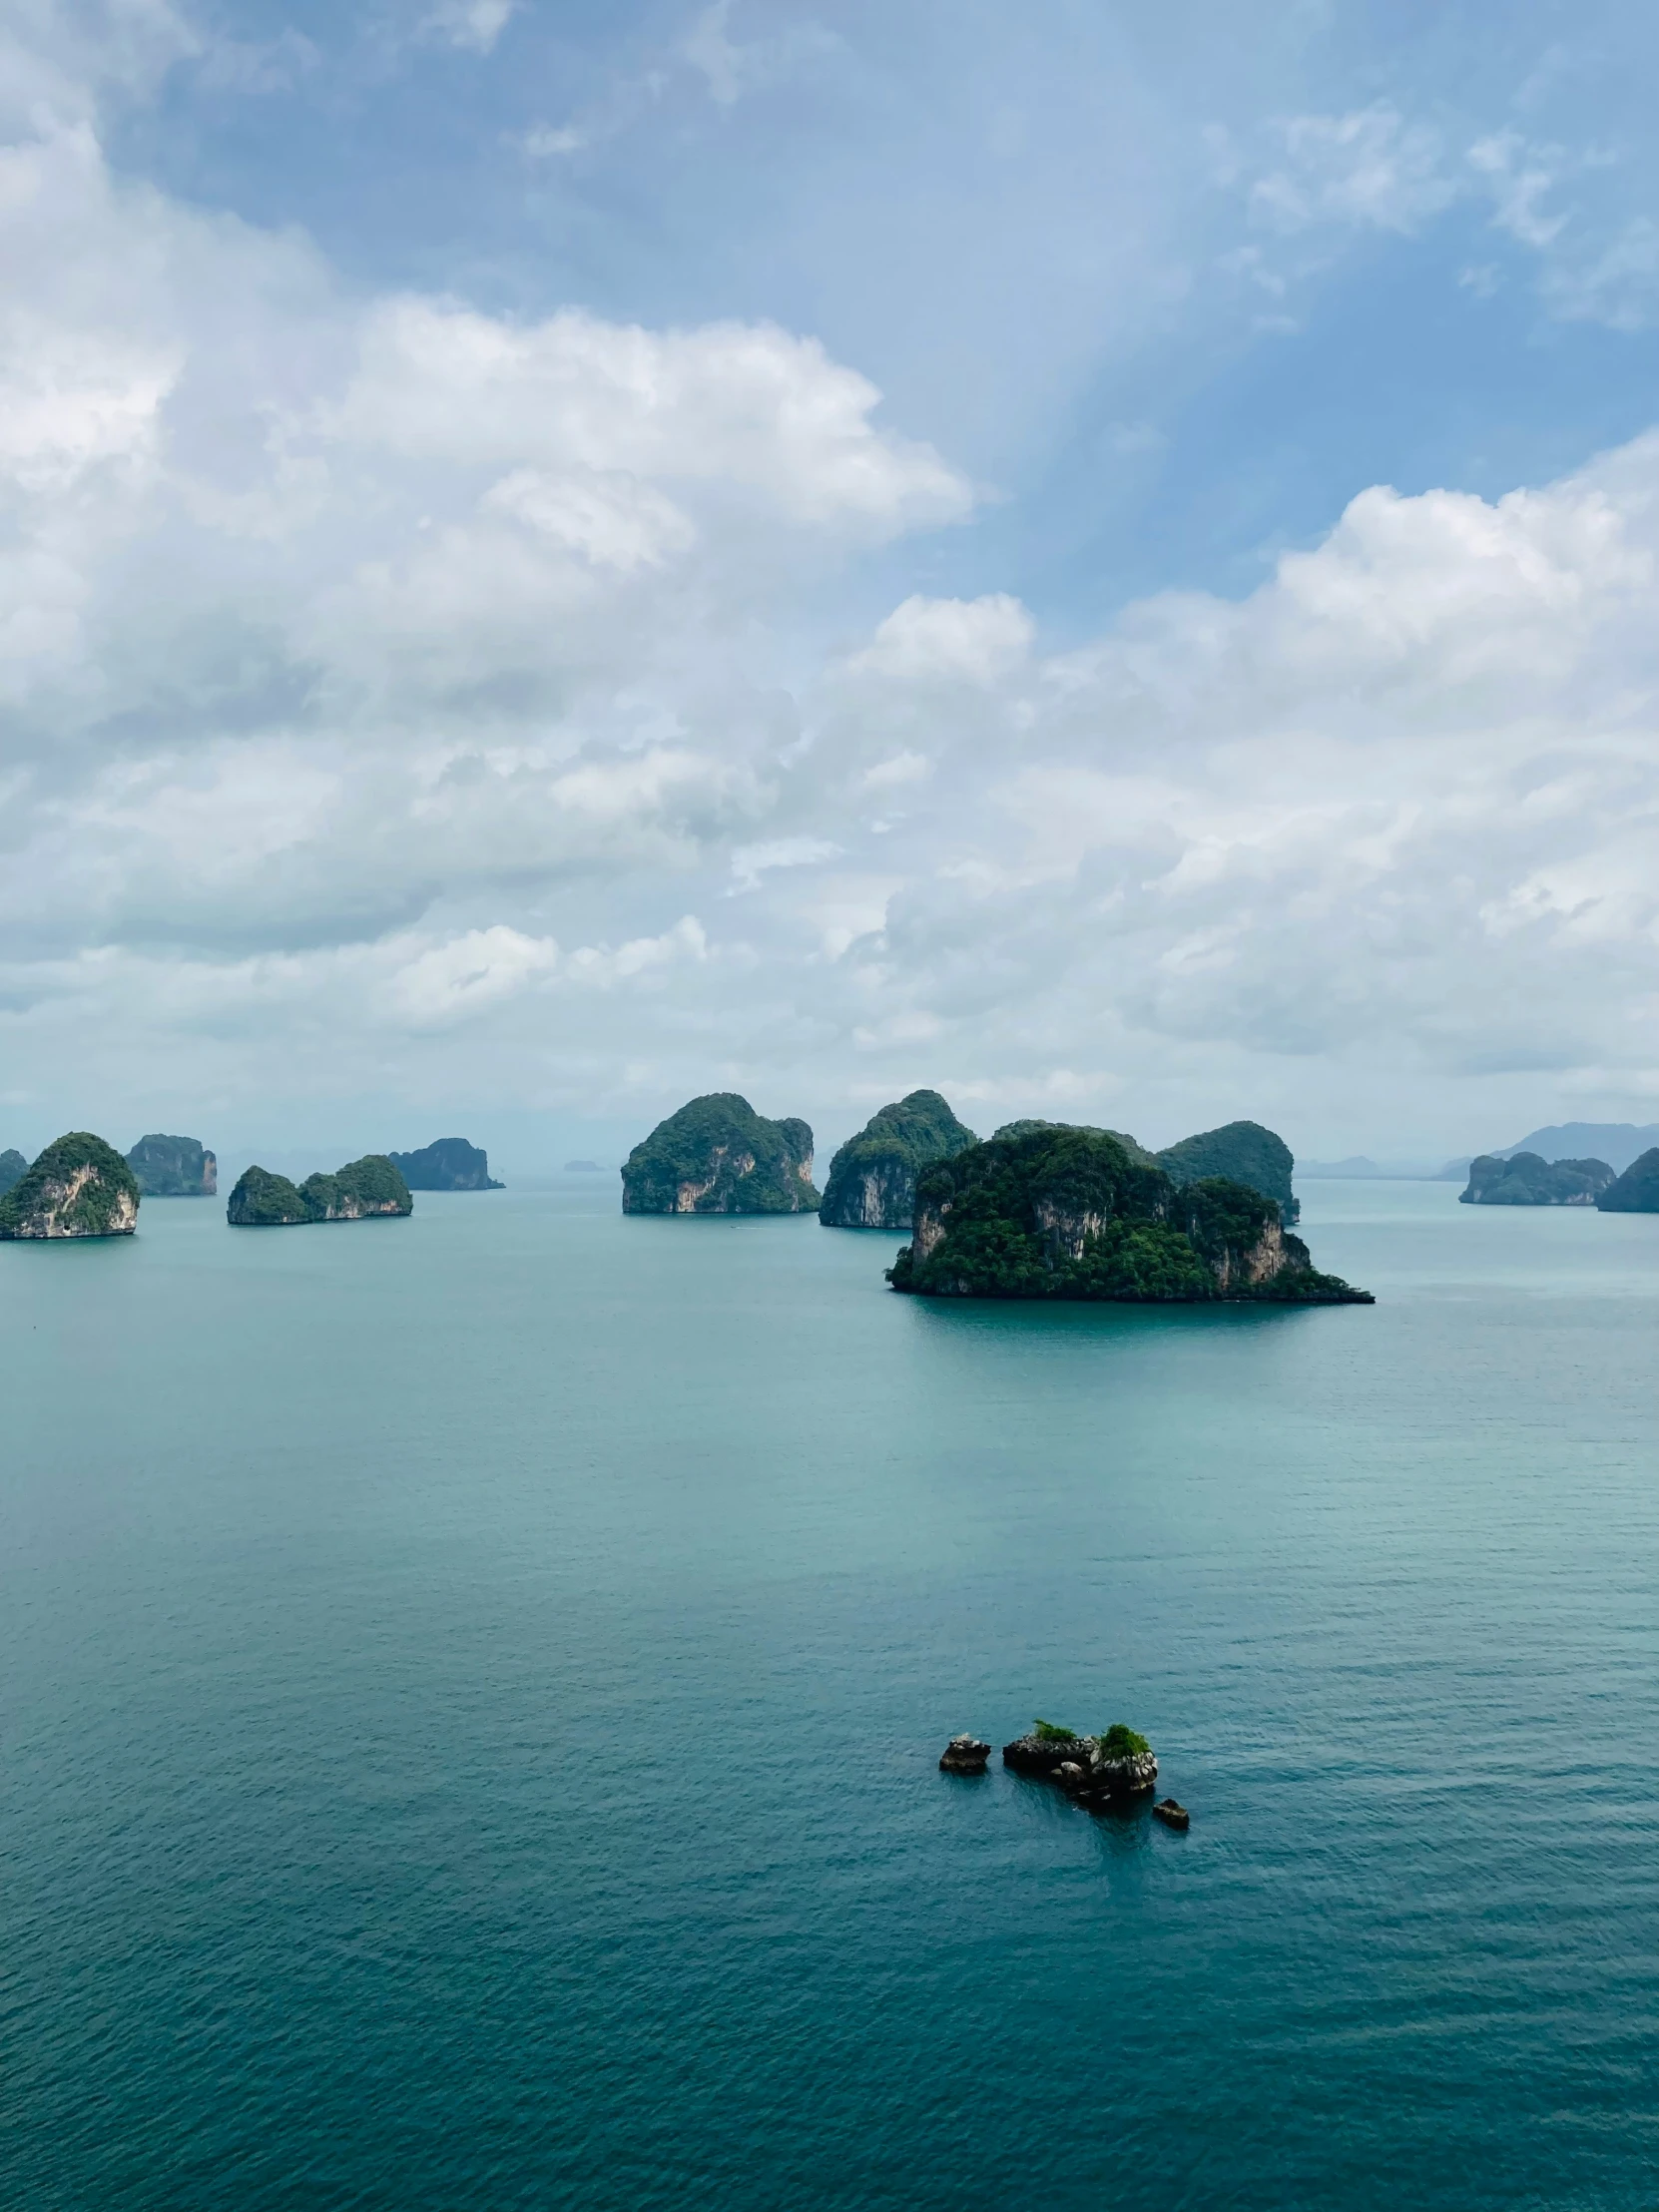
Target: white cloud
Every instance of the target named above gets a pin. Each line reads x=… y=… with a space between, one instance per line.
x=973 y=640
x=731 y=68
x=751 y=861
x=549 y=142
x=362 y=657
x=474 y=24
x=1370 y=168
x=479 y=970
x=1374 y=170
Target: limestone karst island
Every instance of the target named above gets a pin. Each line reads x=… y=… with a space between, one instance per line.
x=1636 y=1191
x=1042 y=1210
x=449 y=1164
x=173 y=1167
x=718 y=1156
x=873 y=1178
x=1058 y=1213
x=362 y=1190
x=77 y=1187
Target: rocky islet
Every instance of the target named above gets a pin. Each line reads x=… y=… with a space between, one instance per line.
x=1528 y=1179
x=447 y=1164
x=363 y=1190
x=1636 y=1191
x=1112 y=1772
x=1068 y=1213
x=872 y=1182
x=80 y=1186
x=716 y=1155
x=173 y=1167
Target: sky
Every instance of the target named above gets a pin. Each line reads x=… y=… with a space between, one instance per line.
x=562 y=554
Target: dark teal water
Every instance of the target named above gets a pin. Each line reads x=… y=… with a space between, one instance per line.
x=472 y=1690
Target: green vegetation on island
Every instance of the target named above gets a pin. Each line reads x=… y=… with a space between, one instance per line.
x=1137 y=1152
x=718 y=1156
x=1120 y=1741
x=79 y=1187
x=362 y=1190
x=872 y=1182
x=173 y=1167
x=1636 y=1191
x=13 y=1167
x=449 y=1164
x=1062 y=1213
x=1528 y=1179
x=1238 y=1152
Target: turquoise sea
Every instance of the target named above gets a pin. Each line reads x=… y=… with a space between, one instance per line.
x=472 y=1691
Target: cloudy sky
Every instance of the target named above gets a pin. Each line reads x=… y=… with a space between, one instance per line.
x=558 y=554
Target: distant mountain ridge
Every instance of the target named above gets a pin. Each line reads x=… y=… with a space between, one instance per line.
x=1619 y=1143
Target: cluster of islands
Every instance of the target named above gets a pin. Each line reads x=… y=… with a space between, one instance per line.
x=1528 y=1178
x=82 y=1187
x=1113 y=1772
x=1040 y=1209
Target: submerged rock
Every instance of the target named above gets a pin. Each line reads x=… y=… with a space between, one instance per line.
x=359 y=1190
x=79 y=1187
x=173 y=1167
x=964 y=1755
x=718 y=1156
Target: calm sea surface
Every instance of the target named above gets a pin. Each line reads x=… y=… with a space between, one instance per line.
x=472 y=1690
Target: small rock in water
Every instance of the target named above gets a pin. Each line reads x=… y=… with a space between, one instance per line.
x=965 y=1754
x=1046 y=1754
x=1171 y=1813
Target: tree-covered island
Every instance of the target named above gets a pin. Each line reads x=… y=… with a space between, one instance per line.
x=77 y=1187
x=1636 y=1191
x=1059 y=1213
x=173 y=1167
x=718 y=1156
x=360 y=1191
x=447 y=1164
x=872 y=1182
x=1528 y=1178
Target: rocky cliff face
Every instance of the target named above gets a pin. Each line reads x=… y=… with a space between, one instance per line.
x=360 y=1191
x=449 y=1164
x=1066 y=1213
x=718 y=1156
x=79 y=1187
x=173 y=1167
x=873 y=1178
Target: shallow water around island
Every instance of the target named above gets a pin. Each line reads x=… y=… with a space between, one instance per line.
x=473 y=1686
